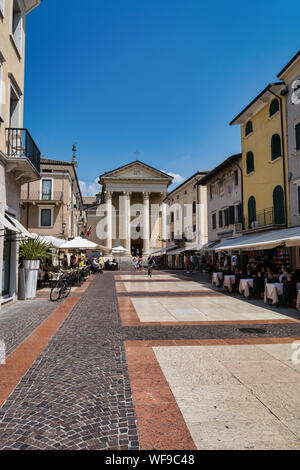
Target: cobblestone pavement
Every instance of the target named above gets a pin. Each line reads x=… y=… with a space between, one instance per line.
x=77 y=393
x=150 y=384
x=15 y=327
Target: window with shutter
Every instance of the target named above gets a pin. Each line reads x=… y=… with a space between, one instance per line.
x=274 y=107
x=214 y=221
x=250 y=162
x=17 y=25
x=231 y=215
x=278 y=202
x=251 y=211
x=275 y=146
x=249 y=128
x=220 y=219
x=236 y=177
x=297 y=131
x=2 y=2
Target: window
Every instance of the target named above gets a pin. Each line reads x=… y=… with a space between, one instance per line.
x=250 y=162
x=297 y=131
x=220 y=219
x=46 y=190
x=214 y=221
x=172 y=217
x=210 y=191
x=178 y=197
x=226 y=217
x=2 y=6
x=1 y=87
x=249 y=128
x=251 y=211
x=298 y=199
x=236 y=178
x=275 y=146
x=278 y=203
x=194 y=228
x=239 y=213
x=194 y=207
x=274 y=107
x=45 y=217
x=14 y=107
x=231 y=215
x=17 y=25
x=185 y=192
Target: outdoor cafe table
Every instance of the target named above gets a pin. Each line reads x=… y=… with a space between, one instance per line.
x=244 y=286
x=216 y=278
x=272 y=291
x=229 y=280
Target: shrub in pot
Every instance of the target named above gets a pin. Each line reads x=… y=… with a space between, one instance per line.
x=31 y=253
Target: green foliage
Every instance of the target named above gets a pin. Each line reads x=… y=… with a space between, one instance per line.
x=34 y=249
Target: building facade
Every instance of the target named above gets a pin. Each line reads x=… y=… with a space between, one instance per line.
x=225 y=199
x=291 y=77
x=264 y=161
x=187 y=213
x=19 y=155
x=130 y=211
x=53 y=205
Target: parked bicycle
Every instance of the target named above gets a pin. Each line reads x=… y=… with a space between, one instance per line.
x=62 y=288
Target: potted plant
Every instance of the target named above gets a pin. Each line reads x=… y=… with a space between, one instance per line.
x=31 y=253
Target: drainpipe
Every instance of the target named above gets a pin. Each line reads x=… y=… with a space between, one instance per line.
x=283 y=156
x=27 y=215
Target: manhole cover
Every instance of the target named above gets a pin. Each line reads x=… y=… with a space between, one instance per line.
x=259 y=331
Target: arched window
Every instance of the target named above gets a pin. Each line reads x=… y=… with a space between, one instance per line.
x=275 y=146
x=249 y=128
x=278 y=204
x=274 y=107
x=251 y=211
x=250 y=162
x=297 y=131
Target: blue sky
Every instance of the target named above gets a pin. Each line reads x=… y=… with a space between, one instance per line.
x=164 y=77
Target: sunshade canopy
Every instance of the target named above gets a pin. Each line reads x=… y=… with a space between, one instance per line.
x=263 y=241
x=79 y=244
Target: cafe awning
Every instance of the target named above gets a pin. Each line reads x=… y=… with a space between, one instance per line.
x=163 y=251
x=264 y=241
x=7 y=224
x=20 y=227
x=79 y=243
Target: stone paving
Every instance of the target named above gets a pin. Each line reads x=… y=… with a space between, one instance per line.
x=133 y=363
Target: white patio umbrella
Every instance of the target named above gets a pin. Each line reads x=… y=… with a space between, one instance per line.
x=79 y=243
x=119 y=249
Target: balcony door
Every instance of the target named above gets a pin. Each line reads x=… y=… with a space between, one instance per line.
x=46 y=190
x=278 y=202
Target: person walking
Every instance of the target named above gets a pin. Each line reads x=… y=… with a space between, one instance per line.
x=150 y=265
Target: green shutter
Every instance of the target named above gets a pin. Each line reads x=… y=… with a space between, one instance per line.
x=275 y=146
x=251 y=210
x=274 y=107
x=278 y=202
x=250 y=162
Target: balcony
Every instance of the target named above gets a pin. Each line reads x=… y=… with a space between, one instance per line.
x=265 y=219
x=38 y=197
x=20 y=147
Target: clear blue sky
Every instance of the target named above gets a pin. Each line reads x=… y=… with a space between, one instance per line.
x=164 y=77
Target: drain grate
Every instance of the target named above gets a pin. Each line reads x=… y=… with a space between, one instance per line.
x=259 y=331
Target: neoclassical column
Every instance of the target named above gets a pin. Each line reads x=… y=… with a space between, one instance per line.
x=108 y=200
x=163 y=209
x=146 y=230
x=127 y=221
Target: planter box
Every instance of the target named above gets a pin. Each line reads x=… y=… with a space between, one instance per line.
x=31 y=269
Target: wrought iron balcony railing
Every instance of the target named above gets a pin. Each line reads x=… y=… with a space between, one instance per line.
x=39 y=196
x=20 y=144
x=265 y=218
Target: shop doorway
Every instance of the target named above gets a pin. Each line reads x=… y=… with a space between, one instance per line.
x=6 y=266
x=137 y=248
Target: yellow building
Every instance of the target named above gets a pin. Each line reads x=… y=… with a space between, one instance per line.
x=264 y=160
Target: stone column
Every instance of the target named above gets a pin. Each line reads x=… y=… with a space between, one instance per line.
x=146 y=231
x=163 y=217
x=108 y=200
x=127 y=222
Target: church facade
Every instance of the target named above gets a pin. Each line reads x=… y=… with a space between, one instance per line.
x=130 y=211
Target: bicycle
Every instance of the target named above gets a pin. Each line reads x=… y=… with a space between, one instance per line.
x=62 y=288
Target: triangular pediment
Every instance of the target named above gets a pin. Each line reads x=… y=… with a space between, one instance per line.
x=135 y=171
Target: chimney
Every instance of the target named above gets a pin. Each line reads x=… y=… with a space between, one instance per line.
x=74 y=155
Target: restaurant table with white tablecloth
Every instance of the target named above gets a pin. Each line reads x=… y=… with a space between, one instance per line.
x=244 y=286
x=229 y=281
x=272 y=291
x=217 y=278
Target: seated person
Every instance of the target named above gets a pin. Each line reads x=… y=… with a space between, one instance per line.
x=284 y=274
x=96 y=266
